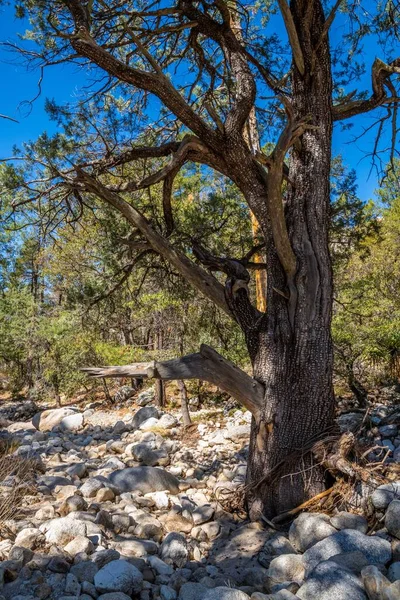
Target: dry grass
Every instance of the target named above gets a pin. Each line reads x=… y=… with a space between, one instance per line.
x=165 y=433
x=20 y=473
x=207 y=415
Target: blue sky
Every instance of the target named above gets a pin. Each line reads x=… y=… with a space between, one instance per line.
x=62 y=83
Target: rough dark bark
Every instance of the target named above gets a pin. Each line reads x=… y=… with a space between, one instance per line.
x=292 y=351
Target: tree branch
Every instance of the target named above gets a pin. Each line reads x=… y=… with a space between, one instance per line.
x=135 y=153
x=207 y=365
x=203 y=281
x=85 y=46
x=292 y=35
x=280 y=234
x=188 y=143
x=380 y=74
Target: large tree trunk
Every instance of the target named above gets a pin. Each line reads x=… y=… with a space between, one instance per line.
x=292 y=349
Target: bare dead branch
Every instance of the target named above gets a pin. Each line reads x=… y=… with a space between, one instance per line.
x=381 y=73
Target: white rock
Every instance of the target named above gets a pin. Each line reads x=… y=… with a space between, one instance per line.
x=160 y=499
x=63 y=530
x=72 y=422
x=48 y=419
x=28 y=538
x=79 y=544
x=149 y=424
x=119 y=576
x=167 y=421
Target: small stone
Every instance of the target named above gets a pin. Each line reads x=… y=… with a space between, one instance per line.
x=58 y=565
x=174 y=549
x=393 y=573
x=167 y=421
x=327 y=582
x=65 y=491
x=20 y=554
x=84 y=572
x=119 y=576
x=143 y=414
x=72 y=422
x=136 y=548
x=77 y=470
x=90 y=488
x=63 y=530
x=144 y=480
x=160 y=499
x=345 y=520
x=392 y=519
x=175 y=521
x=211 y=529
x=202 y=514
x=238 y=433
x=103 y=557
x=287 y=567
x=384 y=494
x=105 y=494
x=148 y=527
x=113 y=596
x=375 y=549
x=167 y=593
x=308 y=529
x=72 y=585
x=78 y=545
x=388 y=444
x=45 y=513
x=145 y=397
x=192 y=591
x=388 y=430
x=72 y=504
x=353 y=561
x=29 y=537
x=160 y=567
x=121 y=522
x=225 y=593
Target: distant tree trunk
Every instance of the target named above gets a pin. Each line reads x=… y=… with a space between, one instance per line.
x=57 y=396
x=186 y=420
x=106 y=390
x=136 y=383
x=29 y=372
x=159 y=397
x=356 y=386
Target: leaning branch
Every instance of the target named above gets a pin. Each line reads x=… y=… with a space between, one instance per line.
x=199 y=278
x=292 y=35
x=207 y=365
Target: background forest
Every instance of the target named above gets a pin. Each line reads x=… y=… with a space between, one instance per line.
x=86 y=292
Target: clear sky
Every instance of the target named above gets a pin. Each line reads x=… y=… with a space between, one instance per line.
x=62 y=83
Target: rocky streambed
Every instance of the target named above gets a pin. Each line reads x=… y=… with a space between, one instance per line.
x=125 y=505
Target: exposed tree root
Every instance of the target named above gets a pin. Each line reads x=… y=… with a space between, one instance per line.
x=346 y=460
